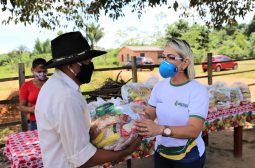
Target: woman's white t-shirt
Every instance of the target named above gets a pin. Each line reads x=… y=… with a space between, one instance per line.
x=175 y=104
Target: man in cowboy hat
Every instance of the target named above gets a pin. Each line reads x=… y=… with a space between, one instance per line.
x=61 y=111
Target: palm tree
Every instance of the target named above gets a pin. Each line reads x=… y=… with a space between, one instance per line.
x=94 y=33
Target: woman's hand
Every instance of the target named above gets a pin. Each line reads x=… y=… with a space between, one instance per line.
x=148 y=128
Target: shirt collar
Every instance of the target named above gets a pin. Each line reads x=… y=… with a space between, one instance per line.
x=70 y=82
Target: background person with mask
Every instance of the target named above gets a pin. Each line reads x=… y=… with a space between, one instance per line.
x=180 y=105
x=30 y=90
x=61 y=110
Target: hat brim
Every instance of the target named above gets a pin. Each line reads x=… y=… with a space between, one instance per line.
x=66 y=61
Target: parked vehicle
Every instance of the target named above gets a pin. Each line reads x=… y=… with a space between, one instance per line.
x=141 y=61
x=220 y=62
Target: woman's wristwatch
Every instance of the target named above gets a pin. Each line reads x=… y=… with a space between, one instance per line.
x=167 y=132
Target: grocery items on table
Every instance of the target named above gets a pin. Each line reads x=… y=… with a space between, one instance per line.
x=223 y=97
x=245 y=97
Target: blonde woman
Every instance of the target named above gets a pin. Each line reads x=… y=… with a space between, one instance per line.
x=180 y=105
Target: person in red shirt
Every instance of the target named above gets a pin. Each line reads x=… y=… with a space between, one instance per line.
x=30 y=90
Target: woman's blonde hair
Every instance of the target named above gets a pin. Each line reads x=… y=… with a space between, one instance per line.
x=182 y=48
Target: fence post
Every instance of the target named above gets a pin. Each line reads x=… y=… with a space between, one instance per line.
x=24 y=124
x=134 y=69
x=209 y=68
x=209 y=71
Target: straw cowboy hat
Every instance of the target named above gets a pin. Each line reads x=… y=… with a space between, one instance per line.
x=69 y=48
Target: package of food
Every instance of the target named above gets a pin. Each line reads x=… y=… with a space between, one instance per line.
x=115 y=136
x=101 y=107
x=135 y=91
x=221 y=94
x=106 y=108
x=108 y=136
x=138 y=106
x=93 y=105
x=235 y=97
x=110 y=119
x=124 y=142
x=246 y=95
x=128 y=129
x=212 y=104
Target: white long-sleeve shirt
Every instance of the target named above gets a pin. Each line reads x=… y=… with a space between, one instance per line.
x=63 y=123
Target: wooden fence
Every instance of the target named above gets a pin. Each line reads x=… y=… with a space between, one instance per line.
x=133 y=67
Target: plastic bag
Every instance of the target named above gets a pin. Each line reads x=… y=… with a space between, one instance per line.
x=221 y=94
x=110 y=119
x=235 y=96
x=138 y=91
x=212 y=103
x=115 y=136
x=93 y=105
x=108 y=136
x=135 y=91
x=246 y=95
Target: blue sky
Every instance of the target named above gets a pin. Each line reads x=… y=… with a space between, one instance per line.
x=12 y=36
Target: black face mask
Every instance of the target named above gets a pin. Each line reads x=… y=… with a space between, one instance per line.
x=84 y=76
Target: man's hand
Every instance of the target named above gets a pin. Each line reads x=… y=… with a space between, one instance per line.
x=134 y=145
x=93 y=132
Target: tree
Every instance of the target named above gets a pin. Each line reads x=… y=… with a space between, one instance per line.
x=38 y=46
x=51 y=13
x=251 y=45
x=42 y=47
x=22 y=49
x=251 y=27
x=177 y=29
x=94 y=33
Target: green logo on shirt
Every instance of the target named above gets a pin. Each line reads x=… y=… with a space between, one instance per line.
x=180 y=104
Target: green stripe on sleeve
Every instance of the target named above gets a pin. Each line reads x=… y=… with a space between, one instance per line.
x=197 y=116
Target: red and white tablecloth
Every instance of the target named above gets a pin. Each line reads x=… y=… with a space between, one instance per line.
x=23 y=150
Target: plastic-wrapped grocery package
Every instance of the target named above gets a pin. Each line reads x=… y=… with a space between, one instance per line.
x=111 y=129
x=94 y=107
x=221 y=94
x=235 y=97
x=108 y=136
x=138 y=106
x=135 y=91
x=110 y=119
x=138 y=91
x=246 y=95
x=115 y=136
x=212 y=104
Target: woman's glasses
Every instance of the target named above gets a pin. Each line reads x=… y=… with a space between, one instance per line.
x=172 y=57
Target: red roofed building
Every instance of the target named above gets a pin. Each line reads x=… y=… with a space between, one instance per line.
x=152 y=52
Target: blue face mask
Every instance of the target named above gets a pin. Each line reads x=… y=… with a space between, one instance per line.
x=167 y=69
